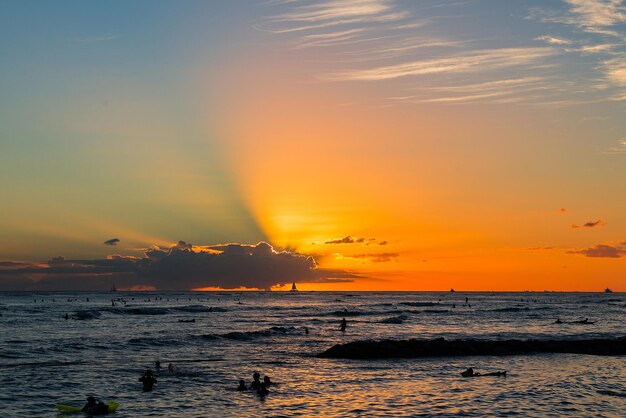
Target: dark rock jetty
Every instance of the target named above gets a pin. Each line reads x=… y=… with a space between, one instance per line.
x=441 y=347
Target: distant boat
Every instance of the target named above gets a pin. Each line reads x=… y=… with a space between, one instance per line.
x=452 y=290
x=113 y=289
x=607 y=290
x=293 y=287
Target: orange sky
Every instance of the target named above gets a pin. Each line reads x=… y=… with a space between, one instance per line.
x=470 y=147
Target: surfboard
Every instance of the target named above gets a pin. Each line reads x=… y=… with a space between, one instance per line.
x=73 y=409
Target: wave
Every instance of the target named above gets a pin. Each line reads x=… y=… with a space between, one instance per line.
x=144 y=310
x=43 y=364
x=420 y=304
x=87 y=314
x=156 y=342
x=441 y=347
x=250 y=335
x=612 y=393
x=395 y=319
x=198 y=308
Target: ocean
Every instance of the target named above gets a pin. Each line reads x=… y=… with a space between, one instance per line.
x=104 y=348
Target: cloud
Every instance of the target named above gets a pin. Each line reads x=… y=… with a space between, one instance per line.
x=590 y=224
x=602 y=250
x=376 y=258
x=179 y=267
x=347 y=240
x=113 y=241
x=616 y=70
x=552 y=40
x=473 y=61
x=593 y=14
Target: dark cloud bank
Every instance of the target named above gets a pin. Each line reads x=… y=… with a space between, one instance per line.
x=180 y=267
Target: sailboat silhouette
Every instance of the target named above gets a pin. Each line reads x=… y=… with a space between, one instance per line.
x=293 y=287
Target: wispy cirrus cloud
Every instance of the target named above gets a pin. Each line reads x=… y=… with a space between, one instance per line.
x=331 y=13
x=595 y=14
x=553 y=40
x=481 y=60
x=401 y=43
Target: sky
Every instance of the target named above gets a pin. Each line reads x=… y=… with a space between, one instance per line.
x=345 y=145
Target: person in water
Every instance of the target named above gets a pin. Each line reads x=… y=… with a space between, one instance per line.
x=242 y=385
x=171 y=368
x=342 y=326
x=148 y=381
x=470 y=373
x=267 y=381
x=90 y=405
x=95 y=408
x=558 y=321
x=256 y=381
x=157 y=364
x=262 y=391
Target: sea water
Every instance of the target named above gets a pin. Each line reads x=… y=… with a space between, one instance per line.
x=104 y=347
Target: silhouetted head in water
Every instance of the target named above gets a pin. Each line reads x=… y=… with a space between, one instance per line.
x=267 y=381
x=157 y=364
x=242 y=385
x=256 y=376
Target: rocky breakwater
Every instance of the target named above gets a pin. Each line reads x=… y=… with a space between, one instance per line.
x=441 y=347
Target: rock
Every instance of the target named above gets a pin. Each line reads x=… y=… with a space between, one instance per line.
x=440 y=347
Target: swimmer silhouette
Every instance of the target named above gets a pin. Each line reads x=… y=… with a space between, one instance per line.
x=342 y=326
x=262 y=390
x=256 y=382
x=148 y=381
x=470 y=373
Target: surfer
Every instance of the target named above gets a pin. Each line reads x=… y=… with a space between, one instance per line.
x=242 y=385
x=470 y=373
x=256 y=382
x=148 y=381
x=342 y=326
x=95 y=408
x=558 y=321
